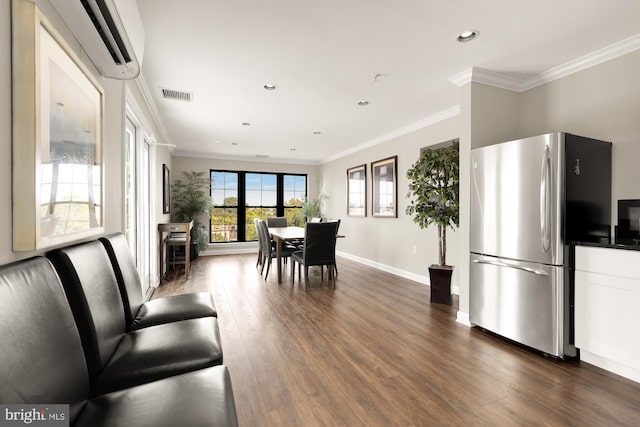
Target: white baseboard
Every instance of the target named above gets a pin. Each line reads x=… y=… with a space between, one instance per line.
x=463 y=318
x=230 y=249
x=252 y=247
x=422 y=279
x=609 y=365
x=398 y=272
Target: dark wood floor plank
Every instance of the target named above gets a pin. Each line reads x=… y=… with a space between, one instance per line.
x=375 y=352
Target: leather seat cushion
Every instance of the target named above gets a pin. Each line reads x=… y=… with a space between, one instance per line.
x=200 y=398
x=174 y=308
x=161 y=351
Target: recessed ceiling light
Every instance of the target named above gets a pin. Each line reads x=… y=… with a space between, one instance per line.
x=317 y=132
x=270 y=87
x=363 y=103
x=292 y=149
x=235 y=144
x=246 y=124
x=467 y=36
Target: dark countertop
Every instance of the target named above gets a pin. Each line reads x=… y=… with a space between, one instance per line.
x=608 y=245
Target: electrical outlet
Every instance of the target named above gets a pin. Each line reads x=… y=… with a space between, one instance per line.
x=414 y=248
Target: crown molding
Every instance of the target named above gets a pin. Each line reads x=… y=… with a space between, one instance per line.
x=505 y=81
x=141 y=84
x=488 y=77
x=427 y=121
x=236 y=158
x=600 y=56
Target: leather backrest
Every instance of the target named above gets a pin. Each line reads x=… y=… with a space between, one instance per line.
x=320 y=243
x=41 y=360
x=124 y=267
x=263 y=238
x=92 y=291
x=277 y=221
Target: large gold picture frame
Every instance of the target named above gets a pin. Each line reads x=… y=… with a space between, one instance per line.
x=57 y=137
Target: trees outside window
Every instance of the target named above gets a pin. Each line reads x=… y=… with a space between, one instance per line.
x=239 y=197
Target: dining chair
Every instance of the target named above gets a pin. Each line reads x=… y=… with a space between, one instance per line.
x=268 y=250
x=281 y=221
x=277 y=221
x=335 y=265
x=259 y=262
x=319 y=249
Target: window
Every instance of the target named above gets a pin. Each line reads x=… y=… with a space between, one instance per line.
x=239 y=197
x=224 y=214
x=295 y=193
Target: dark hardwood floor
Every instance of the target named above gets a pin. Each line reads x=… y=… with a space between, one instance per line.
x=374 y=352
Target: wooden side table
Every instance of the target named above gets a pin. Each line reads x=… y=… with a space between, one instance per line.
x=175 y=227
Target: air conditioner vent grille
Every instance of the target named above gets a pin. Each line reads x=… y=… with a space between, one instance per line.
x=124 y=57
x=177 y=95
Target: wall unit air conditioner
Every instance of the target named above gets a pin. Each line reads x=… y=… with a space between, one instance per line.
x=109 y=31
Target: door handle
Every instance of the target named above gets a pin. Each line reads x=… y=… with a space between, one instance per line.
x=517 y=267
x=545 y=201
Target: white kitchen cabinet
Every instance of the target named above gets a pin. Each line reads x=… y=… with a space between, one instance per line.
x=607 y=308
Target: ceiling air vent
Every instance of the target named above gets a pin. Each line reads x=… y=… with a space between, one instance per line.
x=177 y=95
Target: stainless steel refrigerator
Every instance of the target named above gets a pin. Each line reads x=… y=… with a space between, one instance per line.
x=530 y=199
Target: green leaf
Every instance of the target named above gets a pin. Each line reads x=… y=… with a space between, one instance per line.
x=434 y=190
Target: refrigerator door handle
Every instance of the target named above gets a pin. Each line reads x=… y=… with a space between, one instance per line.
x=545 y=200
x=517 y=267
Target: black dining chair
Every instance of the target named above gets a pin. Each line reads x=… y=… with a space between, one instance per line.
x=335 y=265
x=277 y=221
x=259 y=262
x=281 y=221
x=268 y=250
x=319 y=249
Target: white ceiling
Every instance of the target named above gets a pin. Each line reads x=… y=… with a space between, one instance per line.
x=322 y=55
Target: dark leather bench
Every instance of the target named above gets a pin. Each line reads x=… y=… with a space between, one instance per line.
x=43 y=360
x=116 y=356
x=140 y=314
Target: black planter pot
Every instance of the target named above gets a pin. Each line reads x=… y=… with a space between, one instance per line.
x=440 y=279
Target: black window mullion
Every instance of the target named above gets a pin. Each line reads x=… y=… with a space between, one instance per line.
x=280 y=194
x=242 y=208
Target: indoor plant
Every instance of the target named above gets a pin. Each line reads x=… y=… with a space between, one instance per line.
x=433 y=190
x=312 y=208
x=191 y=200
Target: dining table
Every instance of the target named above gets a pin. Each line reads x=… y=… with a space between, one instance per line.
x=281 y=235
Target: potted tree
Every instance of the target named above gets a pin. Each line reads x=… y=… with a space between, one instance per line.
x=433 y=190
x=191 y=200
x=312 y=208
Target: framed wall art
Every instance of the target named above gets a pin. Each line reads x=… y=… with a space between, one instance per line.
x=57 y=137
x=384 y=174
x=357 y=191
x=166 y=190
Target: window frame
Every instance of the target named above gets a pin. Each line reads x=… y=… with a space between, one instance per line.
x=241 y=207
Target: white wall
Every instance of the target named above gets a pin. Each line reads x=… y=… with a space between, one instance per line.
x=388 y=242
x=203 y=164
x=601 y=102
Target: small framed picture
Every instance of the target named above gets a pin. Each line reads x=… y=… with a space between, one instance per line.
x=357 y=191
x=166 y=190
x=384 y=175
